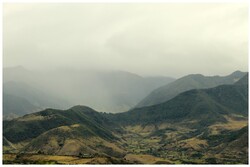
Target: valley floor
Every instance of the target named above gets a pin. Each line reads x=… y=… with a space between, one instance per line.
x=168 y=144
x=56 y=159
x=221 y=143
x=161 y=147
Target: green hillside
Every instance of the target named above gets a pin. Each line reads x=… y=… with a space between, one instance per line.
x=193 y=81
x=32 y=125
x=206 y=106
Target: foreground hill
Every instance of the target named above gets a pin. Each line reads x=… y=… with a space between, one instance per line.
x=78 y=130
x=193 y=81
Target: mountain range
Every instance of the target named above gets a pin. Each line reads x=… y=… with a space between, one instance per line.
x=204 y=126
x=109 y=91
x=193 y=81
x=198 y=106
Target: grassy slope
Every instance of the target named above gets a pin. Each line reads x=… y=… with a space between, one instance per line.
x=207 y=106
x=32 y=125
x=64 y=132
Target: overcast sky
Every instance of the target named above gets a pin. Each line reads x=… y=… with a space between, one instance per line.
x=147 y=39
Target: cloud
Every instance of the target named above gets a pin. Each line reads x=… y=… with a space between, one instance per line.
x=148 y=39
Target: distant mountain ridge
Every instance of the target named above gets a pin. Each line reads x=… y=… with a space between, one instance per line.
x=14 y=106
x=243 y=80
x=206 y=106
x=20 y=99
x=35 y=96
x=193 y=81
x=108 y=91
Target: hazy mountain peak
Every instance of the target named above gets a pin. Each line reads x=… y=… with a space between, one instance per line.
x=195 y=75
x=80 y=108
x=237 y=73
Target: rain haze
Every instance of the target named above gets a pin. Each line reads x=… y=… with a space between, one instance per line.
x=145 y=39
